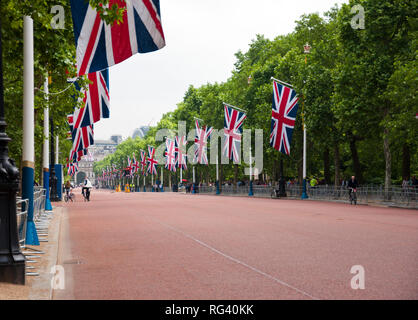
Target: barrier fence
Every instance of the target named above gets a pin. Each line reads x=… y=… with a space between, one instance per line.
x=396 y=196
x=41 y=219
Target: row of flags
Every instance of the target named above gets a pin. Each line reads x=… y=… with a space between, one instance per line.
x=284 y=110
x=98 y=47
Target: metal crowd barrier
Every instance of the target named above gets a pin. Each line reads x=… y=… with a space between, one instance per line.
x=21 y=218
x=395 y=196
x=41 y=219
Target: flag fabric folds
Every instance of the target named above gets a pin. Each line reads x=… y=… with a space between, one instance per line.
x=96 y=100
x=200 y=142
x=152 y=162
x=283 y=117
x=143 y=162
x=180 y=149
x=99 y=46
x=232 y=133
x=170 y=154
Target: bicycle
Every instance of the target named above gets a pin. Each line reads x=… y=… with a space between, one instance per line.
x=86 y=194
x=69 y=195
x=352 y=193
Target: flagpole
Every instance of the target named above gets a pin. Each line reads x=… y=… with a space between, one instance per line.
x=194 y=182
x=307 y=48
x=162 y=180
x=251 y=193
x=48 y=206
x=28 y=155
x=234 y=107
x=58 y=170
x=282 y=82
x=217 y=176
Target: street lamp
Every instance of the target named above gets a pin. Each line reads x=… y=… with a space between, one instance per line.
x=307 y=50
x=12 y=261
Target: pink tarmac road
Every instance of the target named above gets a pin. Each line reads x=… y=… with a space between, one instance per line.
x=177 y=246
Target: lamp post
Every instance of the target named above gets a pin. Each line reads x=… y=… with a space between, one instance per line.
x=12 y=261
x=307 y=50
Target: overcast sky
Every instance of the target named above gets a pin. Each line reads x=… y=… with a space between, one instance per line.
x=202 y=37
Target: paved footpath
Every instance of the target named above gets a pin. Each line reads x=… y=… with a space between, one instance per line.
x=177 y=246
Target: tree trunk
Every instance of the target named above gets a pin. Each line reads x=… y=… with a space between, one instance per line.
x=406 y=162
x=388 y=162
x=356 y=160
x=327 y=174
x=336 y=165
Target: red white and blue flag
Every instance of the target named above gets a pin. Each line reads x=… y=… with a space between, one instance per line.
x=170 y=154
x=135 y=164
x=95 y=101
x=283 y=117
x=200 y=142
x=99 y=46
x=232 y=133
x=181 y=154
x=143 y=162
x=152 y=162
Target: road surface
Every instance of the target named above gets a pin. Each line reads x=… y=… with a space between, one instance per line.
x=177 y=246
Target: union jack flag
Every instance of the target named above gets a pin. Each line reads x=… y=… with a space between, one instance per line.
x=152 y=162
x=232 y=133
x=170 y=154
x=72 y=168
x=143 y=162
x=200 y=142
x=283 y=116
x=180 y=149
x=135 y=164
x=83 y=138
x=128 y=169
x=96 y=100
x=99 y=46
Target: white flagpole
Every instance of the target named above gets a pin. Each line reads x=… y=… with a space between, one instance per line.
x=28 y=152
x=48 y=205
x=162 y=179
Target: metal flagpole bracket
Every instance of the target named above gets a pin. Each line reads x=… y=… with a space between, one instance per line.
x=282 y=82
x=234 y=107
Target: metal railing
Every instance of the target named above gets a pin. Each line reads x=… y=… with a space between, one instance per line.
x=21 y=218
x=395 y=196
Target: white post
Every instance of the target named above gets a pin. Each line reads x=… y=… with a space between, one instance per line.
x=162 y=179
x=217 y=168
x=57 y=141
x=181 y=174
x=28 y=154
x=46 y=129
x=251 y=165
x=194 y=180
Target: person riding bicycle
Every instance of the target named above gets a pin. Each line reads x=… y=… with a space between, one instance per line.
x=67 y=187
x=86 y=189
x=352 y=185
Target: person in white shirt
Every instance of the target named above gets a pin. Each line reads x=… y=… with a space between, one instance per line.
x=86 y=189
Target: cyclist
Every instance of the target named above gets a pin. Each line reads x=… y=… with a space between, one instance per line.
x=67 y=187
x=86 y=189
x=352 y=188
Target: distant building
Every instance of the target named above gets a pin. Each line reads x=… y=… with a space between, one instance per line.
x=141 y=132
x=96 y=152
